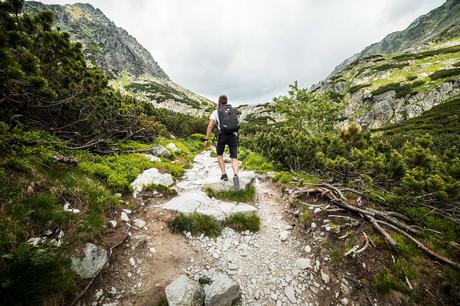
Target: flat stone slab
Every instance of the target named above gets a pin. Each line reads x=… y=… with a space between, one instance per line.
x=199 y=202
x=184 y=292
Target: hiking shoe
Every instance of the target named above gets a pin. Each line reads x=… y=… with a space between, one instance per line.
x=236 y=182
x=224 y=177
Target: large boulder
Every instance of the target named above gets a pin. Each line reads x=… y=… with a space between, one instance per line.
x=159 y=150
x=92 y=262
x=221 y=291
x=247 y=179
x=148 y=177
x=184 y=292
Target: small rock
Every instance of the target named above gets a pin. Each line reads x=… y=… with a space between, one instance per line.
x=325 y=277
x=173 y=148
x=344 y=301
x=290 y=294
x=132 y=261
x=139 y=223
x=183 y=291
x=317 y=210
x=112 y=223
x=124 y=216
x=233 y=266
x=307 y=249
x=128 y=211
x=152 y=158
x=94 y=259
x=303 y=263
x=313 y=225
x=159 y=150
x=284 y=235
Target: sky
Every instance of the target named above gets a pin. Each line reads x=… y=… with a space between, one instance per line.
x=251 y=50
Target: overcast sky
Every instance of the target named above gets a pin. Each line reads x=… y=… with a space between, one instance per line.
x=252 y=49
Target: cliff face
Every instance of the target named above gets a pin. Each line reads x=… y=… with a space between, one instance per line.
x=130 y=66
x=403 y=75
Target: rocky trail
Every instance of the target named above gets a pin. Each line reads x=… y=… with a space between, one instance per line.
x=275 y=266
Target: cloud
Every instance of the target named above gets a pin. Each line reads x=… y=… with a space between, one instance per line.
x=252 y=50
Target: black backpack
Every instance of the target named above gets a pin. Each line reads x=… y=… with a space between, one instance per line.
x=228 y=120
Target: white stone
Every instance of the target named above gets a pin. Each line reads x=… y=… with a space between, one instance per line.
x=139 y=223
x=284 y=235
x=173 y=148
x=94 y=259
x=303 y=263
x=112 y=223
x=344 y=301
x=290 y=294
x=317 y=210
x=184 y=292
x=313 y=225
x=152 y=158
x=34 y=241
x=124 y=217
x=222 y=290
x=127 y=211
x=307 y=249
x=159 y=150
x=187 y=203
x=132 y=261
x=325 y=277
x=148 y=177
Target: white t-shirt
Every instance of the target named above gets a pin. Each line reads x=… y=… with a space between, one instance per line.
x=215 y=116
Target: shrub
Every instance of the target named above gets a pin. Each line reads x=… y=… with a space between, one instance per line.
x=196 y=224
x=355 y=88
x=445 y=73
x=306 y=217
x=242 y=222
x=247 y=195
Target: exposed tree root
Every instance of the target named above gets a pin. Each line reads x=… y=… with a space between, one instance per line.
x=375 y=217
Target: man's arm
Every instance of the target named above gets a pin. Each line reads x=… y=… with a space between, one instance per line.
x=211 y=125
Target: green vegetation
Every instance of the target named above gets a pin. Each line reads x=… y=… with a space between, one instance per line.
x=247 y=195
x=401 y=90
x=196 y=224
x=243 y=222
x=306 y=217
x=445 y=73
x=161 y=188
x=255 y=161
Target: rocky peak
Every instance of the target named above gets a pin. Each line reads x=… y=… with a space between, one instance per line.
x=105 y=45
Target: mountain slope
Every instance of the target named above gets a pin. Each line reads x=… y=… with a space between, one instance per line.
x=105 y=45
x=440 y=24
x=131 y=67
x=405 y=74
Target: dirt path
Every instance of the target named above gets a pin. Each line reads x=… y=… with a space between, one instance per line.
x=272 y=266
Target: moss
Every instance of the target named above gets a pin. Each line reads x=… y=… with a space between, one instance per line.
x=247 y=195
x=337 y=257
x=196 y=224
x=160 y=188
x=242 y=222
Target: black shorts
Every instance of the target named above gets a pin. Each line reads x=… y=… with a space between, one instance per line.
x=231 y=140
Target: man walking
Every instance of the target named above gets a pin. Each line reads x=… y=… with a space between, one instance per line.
x=227 y=124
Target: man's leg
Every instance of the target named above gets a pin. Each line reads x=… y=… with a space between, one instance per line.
x=221 y=162
x=233 y=146
x=220 y=156
x=235 y=166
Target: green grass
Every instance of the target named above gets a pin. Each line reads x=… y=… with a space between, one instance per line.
x=306 y=217
x=196 y=224
x=247 y=195
x=242 y=222
x=256 y=162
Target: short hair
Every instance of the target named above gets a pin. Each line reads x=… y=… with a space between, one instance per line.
x=222 y=100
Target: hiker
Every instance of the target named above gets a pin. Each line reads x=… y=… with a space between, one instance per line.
x=227 y=134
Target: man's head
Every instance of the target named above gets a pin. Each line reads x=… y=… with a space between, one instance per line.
x=222 y=100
